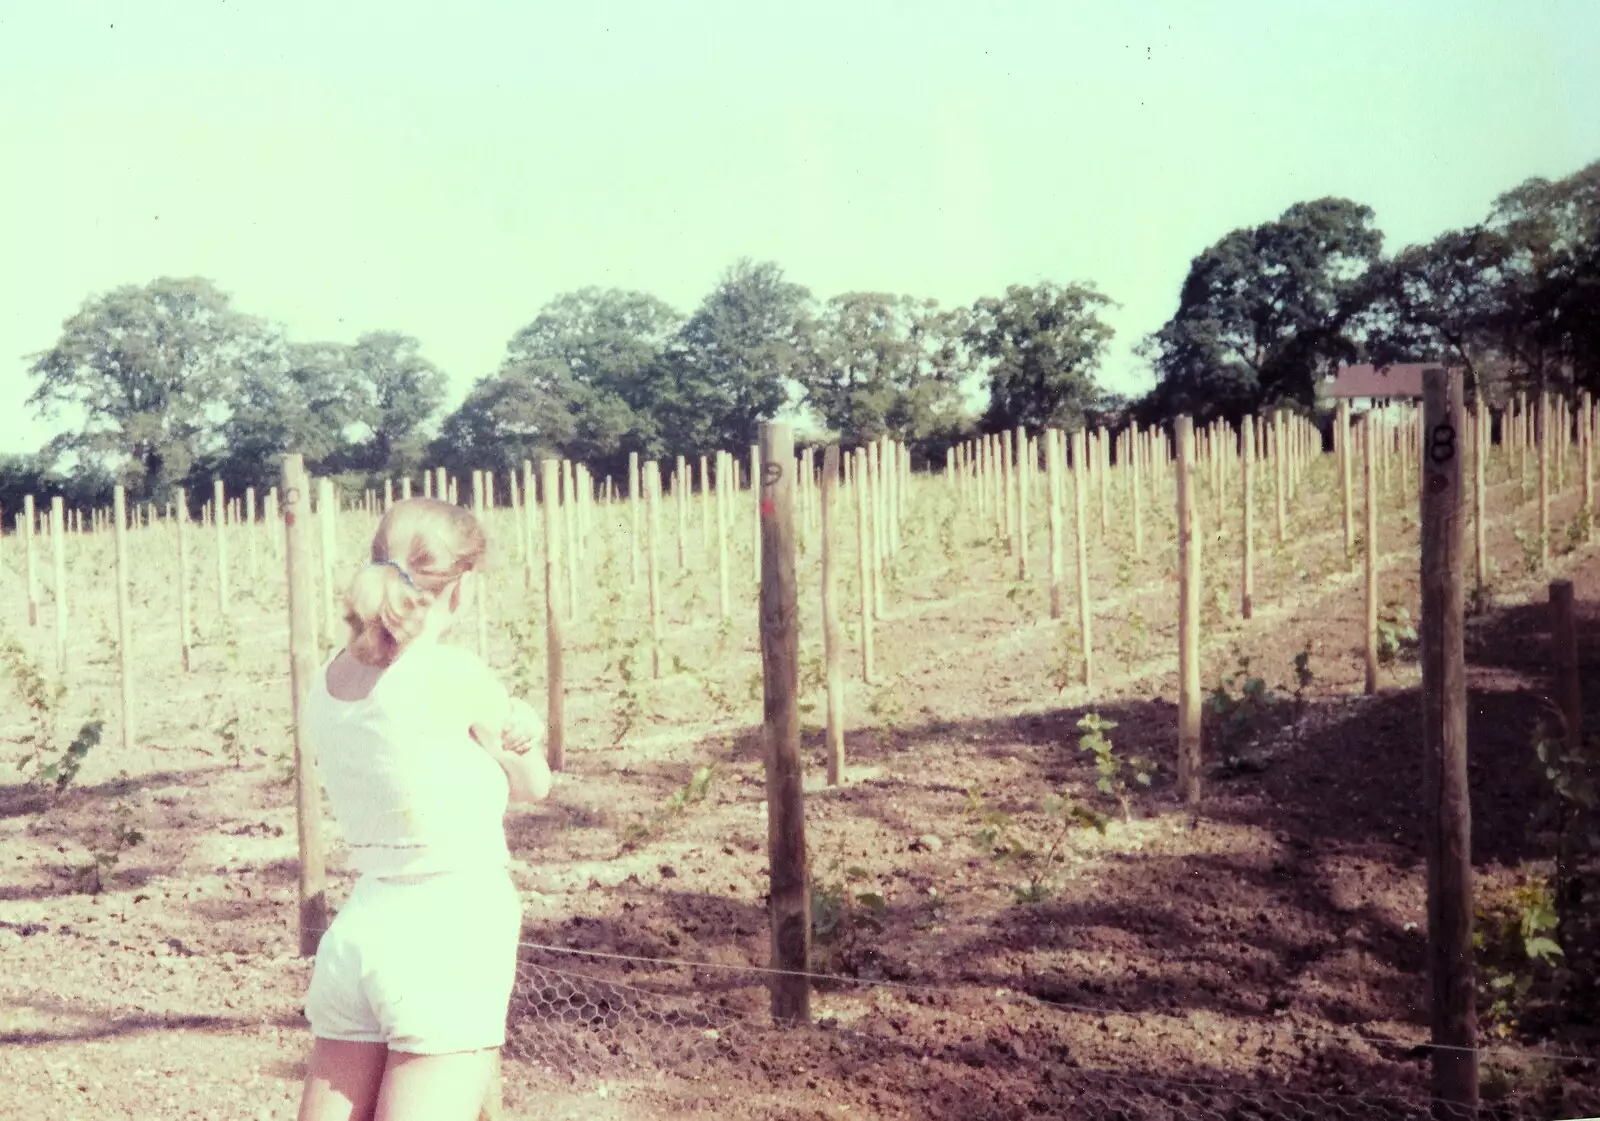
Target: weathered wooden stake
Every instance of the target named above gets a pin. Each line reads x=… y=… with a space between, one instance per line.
x=1052 y=470
x=220 y=509
x=1446 y=794
x=1369 y=449
x=652 y=558
x=303 y=662
x=832 y=646
x=1247 y=597
x=555 y=655
x=58 y=554
x=790 y=895
x=1189 y=746
x=1080 y=464
x=1543 y=436
x=862 y=491
x=185 y=620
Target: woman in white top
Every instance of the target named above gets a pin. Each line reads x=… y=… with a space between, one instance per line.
x=421 y=749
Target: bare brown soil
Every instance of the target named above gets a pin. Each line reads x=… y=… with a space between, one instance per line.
x=1262 y=958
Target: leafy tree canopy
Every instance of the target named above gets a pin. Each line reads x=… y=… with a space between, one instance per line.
x=152 y=369
x=1041 y=346
x=1266 y=311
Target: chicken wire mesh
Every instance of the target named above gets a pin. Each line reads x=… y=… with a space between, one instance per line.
x=580 y=1019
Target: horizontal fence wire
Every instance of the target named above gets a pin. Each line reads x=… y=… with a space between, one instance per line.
x=902 y=1049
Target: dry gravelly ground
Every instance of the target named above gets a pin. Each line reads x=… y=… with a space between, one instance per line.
x=1255 y=961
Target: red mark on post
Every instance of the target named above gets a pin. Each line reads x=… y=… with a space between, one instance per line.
x=768 y=508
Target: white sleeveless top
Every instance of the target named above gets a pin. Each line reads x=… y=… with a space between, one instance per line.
x=411 y=790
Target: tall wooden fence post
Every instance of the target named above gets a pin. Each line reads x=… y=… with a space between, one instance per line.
x=555 y=669
x=185 y=618
x=862 y=489
x=119 y=503
x=58 y=557
x=1369 y=468
x=652 y=558
x=31 y=559
x=303 y=662
x=1247 y=595
x=1052 y=472
x=832 y=647
x=790 y=895
x=1189 y=746
x=1080 y=465
x=1444 y=745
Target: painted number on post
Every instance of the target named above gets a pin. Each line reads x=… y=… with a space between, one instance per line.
x=1442 y=446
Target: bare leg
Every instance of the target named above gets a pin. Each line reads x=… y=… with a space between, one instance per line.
x=342 y=1081
x=435 y=1087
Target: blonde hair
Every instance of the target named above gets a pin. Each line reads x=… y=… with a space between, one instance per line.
x=435 y=543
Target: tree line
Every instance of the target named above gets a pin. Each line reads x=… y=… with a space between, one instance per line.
x=177 y=386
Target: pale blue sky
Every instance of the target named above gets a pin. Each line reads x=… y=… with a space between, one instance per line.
x=343 y=167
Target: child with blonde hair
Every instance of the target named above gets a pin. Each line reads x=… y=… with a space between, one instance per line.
x=421 y=749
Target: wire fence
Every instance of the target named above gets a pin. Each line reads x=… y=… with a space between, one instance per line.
x=885 y=1049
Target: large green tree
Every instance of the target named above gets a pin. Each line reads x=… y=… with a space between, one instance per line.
x=885 y=365
x=1041 y=346
x=397 y=391
x=531 y=410
x=306 y=400
x=1550 y=299
x=151 y=368
x=735 y=362
x=1266 y=312
x=601 y=350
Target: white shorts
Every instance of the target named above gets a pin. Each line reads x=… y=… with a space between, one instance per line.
x=424 y=964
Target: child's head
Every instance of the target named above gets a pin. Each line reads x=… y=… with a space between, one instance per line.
x=435 y=544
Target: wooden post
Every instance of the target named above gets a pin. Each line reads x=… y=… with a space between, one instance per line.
x=864 y=561
x=790 y=896
x=1102 y=470
x=185 y=621
x=1135 y=481
x=1543 y=437
x=303 y=662
x=680 y=503
x=569 y=537
x=1369 y=468
x=1052 y=470
x=1586 y=440
x=1080 y=464
x=652 y=558
x=1247 y=500
x=1280 y=456
x=705 y=512
x=250 y=533
x=1189 y=586
x=32 y=560
x=634 y=478
x=832 y=647
x=58 y=555
x=755 y=498
x=724 y=497
x=875 y=492
x=1022 y=481
x=1480 y=528
x=220 y=517
x=555 y=670
x=482 y=481
x=1444 y=744
x=1008 y=504
x=326 y=513
x=1342 y=446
